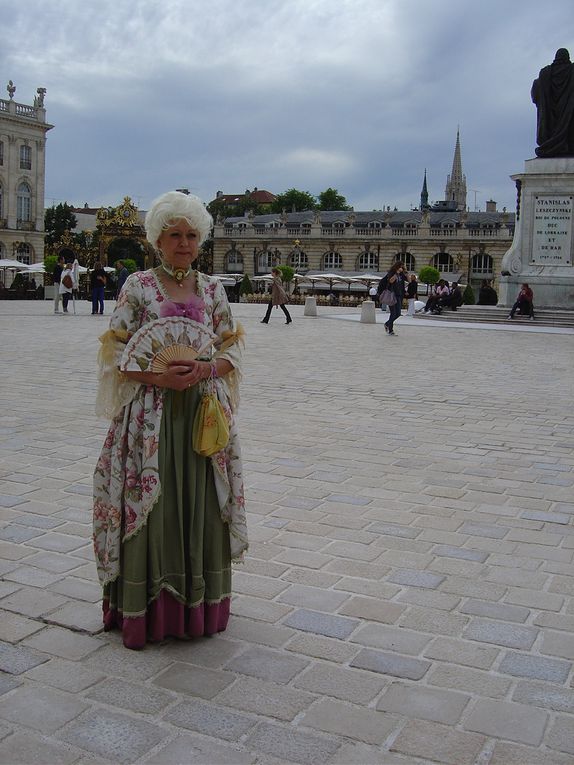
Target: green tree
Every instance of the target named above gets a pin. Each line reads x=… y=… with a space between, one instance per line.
x=330 y=199
x=130 y=264
x=429 y=275
x=287 y=273
x=468 y=295
x=57 y=219
x=294 y=200
x=50 y=263
x=246 y=288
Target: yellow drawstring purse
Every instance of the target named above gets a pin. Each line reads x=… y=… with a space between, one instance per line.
x=210 y=427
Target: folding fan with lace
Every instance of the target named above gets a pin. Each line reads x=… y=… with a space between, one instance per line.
x=157 y=344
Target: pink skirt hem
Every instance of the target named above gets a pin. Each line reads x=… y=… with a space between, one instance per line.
x=167 y=617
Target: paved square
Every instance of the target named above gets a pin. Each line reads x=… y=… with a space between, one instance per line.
x=408 y=593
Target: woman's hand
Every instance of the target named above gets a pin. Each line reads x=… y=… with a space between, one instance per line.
x=181 y=375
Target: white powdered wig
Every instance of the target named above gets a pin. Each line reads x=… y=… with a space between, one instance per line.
x=173 y=206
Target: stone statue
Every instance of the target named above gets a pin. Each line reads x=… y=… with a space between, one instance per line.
x=553 y=94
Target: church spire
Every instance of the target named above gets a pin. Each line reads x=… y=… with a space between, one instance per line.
x=425 y=194
x=456 y=181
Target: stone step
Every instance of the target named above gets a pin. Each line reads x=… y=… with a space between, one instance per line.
x=546 y=317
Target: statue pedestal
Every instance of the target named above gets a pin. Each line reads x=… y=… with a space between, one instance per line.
x=542 y=252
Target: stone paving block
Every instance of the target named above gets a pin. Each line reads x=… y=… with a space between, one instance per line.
x=292 y=745
x=557 y=644
x=16 y=659
x=264 y=568
x=322 y=648
x=535 y=667
x=457 y=567
x=391 y=639
x=55 y=542
x=65 y=675
x=8 y=682
x=78 y=589
x=545 y=601
x=462 y=652
x=267 y=664
x=373 y=610
x=495 y=610
x=546 y=696
x=390 y=664
x=264 y=698
x=195 y=751
x=561 y=734
x=14 y=532
x=394 y=530
x=295 y=557
x=514 y=754
x=470 y=680
x=563 y=585
x=439 y=743
x=40 y=708
x=193 y=681
x=517 y=578
x=353 y=722
x=341 y=682
x=258 y=632
x=14 y=627
x=259 y=586
x=356 y=568
x=427 y=620
x=32 y=602
x=509 y=721
x=63 y=643
x=364 y=754
x=352 y=550
x=34 y=577
x=205 y=652
x=313 y=597
x=28 y=748
x=112 y=735
x=415 y=578
x=368 y=587
x=137 y=666
x=209 y=719
x=508 y=635
x=133 y=696
x=424 y=703
x=430 y=599
x=483 y=530
x=258 y=608
x=472 y=588
x=311 y=578
x=321 y=624
x=54 y=562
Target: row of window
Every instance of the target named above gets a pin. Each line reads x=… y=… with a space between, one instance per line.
x=23 y=203
x=368 y=261
x=25 y=156
x=23 y=253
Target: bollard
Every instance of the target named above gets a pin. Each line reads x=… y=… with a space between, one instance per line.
x=368 y=315
x=310 y=306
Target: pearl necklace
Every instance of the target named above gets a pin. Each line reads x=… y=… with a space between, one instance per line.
x=178 y=274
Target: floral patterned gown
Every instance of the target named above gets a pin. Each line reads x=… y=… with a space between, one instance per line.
x=167 y=522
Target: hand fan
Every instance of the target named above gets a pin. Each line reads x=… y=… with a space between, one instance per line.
x=172 y=338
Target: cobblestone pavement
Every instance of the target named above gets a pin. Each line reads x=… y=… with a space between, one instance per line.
x=408 y=594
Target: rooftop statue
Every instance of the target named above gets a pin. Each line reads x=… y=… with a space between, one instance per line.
x=553 y=94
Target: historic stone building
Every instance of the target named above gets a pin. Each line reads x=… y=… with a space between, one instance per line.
x=462 y=245
x=23 y=131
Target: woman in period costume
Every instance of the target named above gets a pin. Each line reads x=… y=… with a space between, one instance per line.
x=167 y=521
x=278 y=298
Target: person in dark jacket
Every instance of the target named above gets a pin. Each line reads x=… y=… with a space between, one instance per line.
x=487 y=294
x=98 y=281
x=524 y=303
x=123 y=274
x=57 y=275
x=394 y=280
x=412 y=294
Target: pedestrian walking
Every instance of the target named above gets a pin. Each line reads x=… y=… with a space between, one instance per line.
x=278 y=298
x=391 y=292
x=98 y=281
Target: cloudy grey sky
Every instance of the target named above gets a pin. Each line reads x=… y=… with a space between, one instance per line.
x=360 y=95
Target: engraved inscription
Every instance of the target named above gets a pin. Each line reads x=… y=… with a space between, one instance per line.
x=552 y=231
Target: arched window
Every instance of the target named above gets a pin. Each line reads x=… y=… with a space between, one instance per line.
x=24 y=203
x=299 y=260
x=407 y=259
x=25 y=157
x=23 y=253
x=234 y=261
x=265 y=261
x=482 y=263
x=443 y=262
x=368 y=261
x=332 y=261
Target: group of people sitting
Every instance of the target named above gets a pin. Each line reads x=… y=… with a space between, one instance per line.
x=442 y=296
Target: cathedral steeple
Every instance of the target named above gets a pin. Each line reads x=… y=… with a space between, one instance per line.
x=425 y=194
x=456 y=181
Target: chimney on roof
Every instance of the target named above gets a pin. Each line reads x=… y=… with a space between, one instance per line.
x=490 y=205
x=219 y=194
x=86 y=206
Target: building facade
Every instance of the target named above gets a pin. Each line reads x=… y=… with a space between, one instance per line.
x=23 y=131
x=464 y=246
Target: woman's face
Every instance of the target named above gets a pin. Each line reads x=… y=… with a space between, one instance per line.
x=179 y=245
